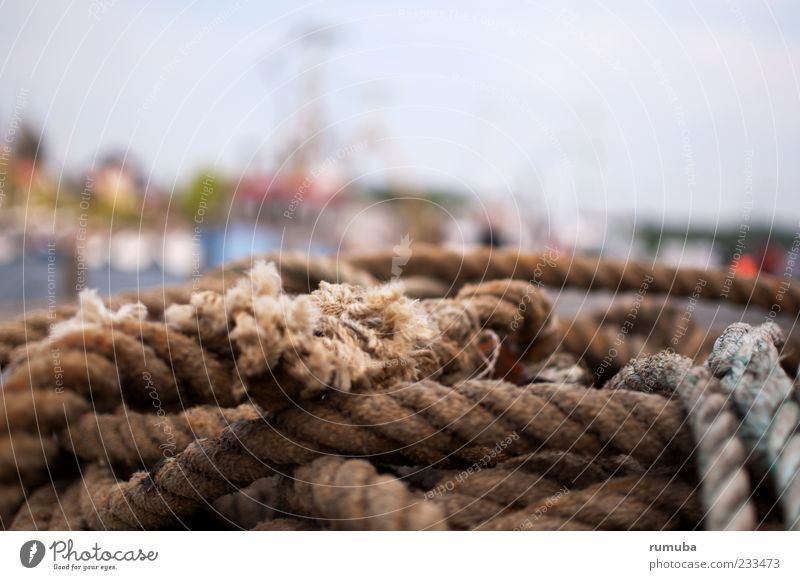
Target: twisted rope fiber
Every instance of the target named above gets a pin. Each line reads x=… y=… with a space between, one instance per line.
x=721 y=452
x=608 y=338
x=253 y=506
x=344 y=336
x=637 y=503
x=300 y=273
x=111 y=358
x=589 y=273
x=98 y=359
x=349 y=494
x=92 y=348
x=36 y=325
x=747 y=361
x=509 y=498
x=54 y=506
x=94 y=320
x=133 y=439
x=209 y=468
x=452 y=269
x=585 y=273
x=373 y=411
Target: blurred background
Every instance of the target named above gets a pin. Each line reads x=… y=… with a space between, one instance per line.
x=143 y=143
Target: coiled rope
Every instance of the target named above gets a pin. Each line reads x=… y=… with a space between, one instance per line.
x=305 y=393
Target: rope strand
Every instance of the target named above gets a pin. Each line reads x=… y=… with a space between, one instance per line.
x=457 y=402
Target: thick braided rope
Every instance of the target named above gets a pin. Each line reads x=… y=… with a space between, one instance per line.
x=54 y=506
x=345 y=336
x=747 y=360
x=139 y=440
x=30 y=327
x=25 y=460
x=26 y=456
x=300 y=273
x=515 y=502
x=475 y=497
x=104 y=358
x=115 y=357
x=98 y=343
x=97 y=359
x=428 y=422
x=453 y=269
x=284 y=525
x=575 y=470
x=341 y=490
x=644 y=426
x=586 y=273
x=624 y=503
x=390 y=418
x=608 y=338
x=32 y=410
x=517 y=317
x=721 y=455
x=251 y=506
x=58 y=506
x=36 y=325
x=339 y=336
x=351 y=495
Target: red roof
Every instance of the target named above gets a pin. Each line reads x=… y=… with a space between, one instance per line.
x=284 y=189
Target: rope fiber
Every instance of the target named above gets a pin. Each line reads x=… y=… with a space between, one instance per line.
x=288 y=392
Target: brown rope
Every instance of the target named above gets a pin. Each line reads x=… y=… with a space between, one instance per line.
x=284 y=525
x=99 y=358
x=53 y=506
x=45 y=411
x=253 y=506
x=574 y=470
x=625 y=503
x=139 y=440
x=300 y=273
x=644 y=426
x=586 y=273
x=722 y=455
x=132 y=361
x=25 y=457
x=607 y=339
x=11 y=496
x=351 y=495
x=35 y=325
x=369 y=409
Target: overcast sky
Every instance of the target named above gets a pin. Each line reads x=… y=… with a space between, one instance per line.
x=667 y=110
